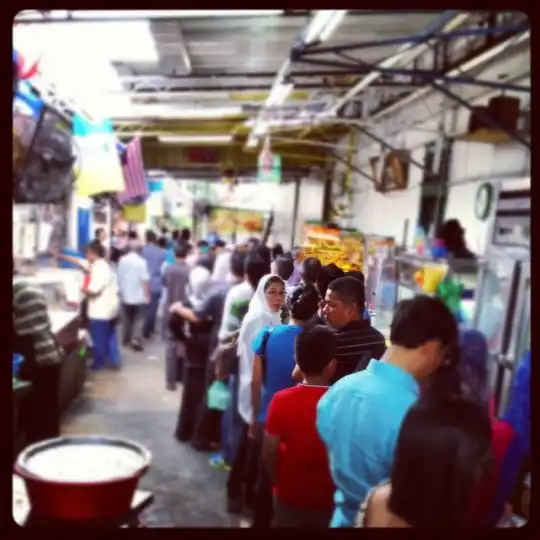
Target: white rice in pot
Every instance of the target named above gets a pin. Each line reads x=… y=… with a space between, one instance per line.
x=84 y=463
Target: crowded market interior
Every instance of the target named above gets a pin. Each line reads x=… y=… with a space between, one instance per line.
x=271 y=269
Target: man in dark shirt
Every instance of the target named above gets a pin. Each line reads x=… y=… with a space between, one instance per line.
x=175 y=280
x=356 y=340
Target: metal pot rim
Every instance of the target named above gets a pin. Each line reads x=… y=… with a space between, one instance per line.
x=101 y=440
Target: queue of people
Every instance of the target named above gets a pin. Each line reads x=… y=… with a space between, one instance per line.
x=323 y=424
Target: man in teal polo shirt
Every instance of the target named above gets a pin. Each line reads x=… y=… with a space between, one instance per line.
x=359 y=418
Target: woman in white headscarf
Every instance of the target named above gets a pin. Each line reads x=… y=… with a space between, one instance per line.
x=264 y=311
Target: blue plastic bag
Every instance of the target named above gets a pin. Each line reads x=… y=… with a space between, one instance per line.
x=219 y=396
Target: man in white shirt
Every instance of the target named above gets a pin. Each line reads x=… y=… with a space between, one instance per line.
x=133 y=279
x=103 y=306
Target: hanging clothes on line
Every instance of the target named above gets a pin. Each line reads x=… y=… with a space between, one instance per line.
x=136 y=187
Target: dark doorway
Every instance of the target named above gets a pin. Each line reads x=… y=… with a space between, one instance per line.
x=434 y=190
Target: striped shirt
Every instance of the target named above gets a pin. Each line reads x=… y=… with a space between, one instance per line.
x=31 y=322
x=355 y=342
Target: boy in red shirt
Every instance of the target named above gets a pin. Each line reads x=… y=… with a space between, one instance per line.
x=293 y=453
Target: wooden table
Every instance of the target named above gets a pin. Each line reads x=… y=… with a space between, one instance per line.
x=22 y=514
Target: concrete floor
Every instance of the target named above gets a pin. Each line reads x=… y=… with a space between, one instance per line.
x=133 y=403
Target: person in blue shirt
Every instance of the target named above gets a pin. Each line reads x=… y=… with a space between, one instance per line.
x=359 y=418
x=273 y=366
x=154 y=257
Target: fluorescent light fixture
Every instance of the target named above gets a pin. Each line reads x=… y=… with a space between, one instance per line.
x=81 y=15
x=260 y=129
x=332 y=24
x=323 y=24
x=279 y=94
x=285 y=122
x=209 y=112
x=252 y=142
x=174 y=139
x=171 y=112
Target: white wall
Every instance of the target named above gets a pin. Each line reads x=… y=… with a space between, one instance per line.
x=471 y=163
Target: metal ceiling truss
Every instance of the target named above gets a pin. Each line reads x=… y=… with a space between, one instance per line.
x=464 y=32
x=416 y=76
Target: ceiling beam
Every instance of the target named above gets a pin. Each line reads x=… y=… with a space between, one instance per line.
x=263 y=88
x=232 y=75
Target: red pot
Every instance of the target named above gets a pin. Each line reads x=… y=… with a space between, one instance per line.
x=64 y=500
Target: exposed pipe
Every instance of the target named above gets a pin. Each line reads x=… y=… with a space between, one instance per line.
x=464 y=32
x=388 y=146
x=448 y=20
x=468 y=66
x=401 y=128
x=486 y=119
x=424 y=73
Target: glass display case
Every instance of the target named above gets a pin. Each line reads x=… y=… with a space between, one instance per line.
x=503 y=313
x=380 y=274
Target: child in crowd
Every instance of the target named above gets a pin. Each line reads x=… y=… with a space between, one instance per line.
x=293 y=452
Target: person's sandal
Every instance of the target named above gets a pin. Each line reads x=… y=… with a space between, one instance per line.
x=217 y=462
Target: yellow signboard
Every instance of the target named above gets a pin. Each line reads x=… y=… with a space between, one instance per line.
x=342 y=248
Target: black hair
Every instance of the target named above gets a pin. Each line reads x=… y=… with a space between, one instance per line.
x=150 y=236
x=271 y=280
x=357 y=274
x=264 y=253
x=164 y=231
x=237 y=263
x=133 y=235
x=327 y=274
x=176 y=235
x=96 y=248
x=206 y=262
x=421 y=319
x=303 y=302
x=185 y=235
x=202 y=243
x=253 y=241
x=277 y=250
x=182 y=251
x=162 y=242
x=314 y=349
x=98 y=232
x=349 y=290
x=443 y=448
x=284 y=267
x=255 y=268
x=310 y=269
x=453 y=235
x=220 y=243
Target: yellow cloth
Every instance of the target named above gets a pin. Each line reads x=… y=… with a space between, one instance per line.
x=135 y=213
x=98 y=168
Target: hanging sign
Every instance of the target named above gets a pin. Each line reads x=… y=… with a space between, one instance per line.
x=269 y=165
